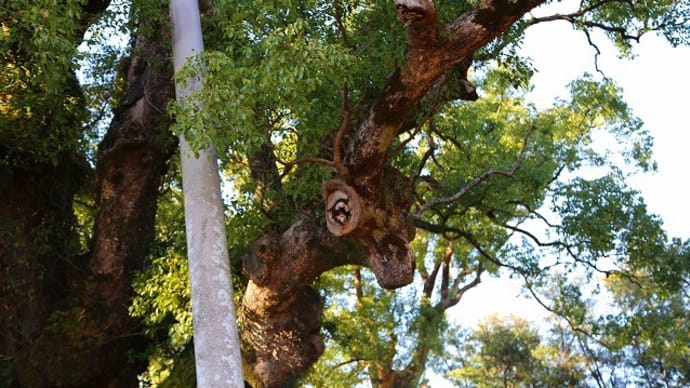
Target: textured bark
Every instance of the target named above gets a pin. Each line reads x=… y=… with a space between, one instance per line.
x=280 y=318
x=131 y=161
x=216 y=340
x=365 y=205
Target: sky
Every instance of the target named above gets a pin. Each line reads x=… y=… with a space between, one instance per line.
x=656 y=85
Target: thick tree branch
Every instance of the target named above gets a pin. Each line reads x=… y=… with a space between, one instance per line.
x=445 y=275
x=279 y=309
x=432 y=51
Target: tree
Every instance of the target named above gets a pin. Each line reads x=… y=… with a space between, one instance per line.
x=65 y=305
x=510 y=353
x=644 y=340
x=353 y=134
x=504 y=356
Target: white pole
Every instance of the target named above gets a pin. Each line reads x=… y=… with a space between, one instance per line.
x=216 y=340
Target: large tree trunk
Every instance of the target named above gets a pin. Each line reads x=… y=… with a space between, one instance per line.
x=64 y=316
x=366 y=204
x=131 y=161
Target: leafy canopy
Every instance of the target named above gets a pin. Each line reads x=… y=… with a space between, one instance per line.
x=273 y=72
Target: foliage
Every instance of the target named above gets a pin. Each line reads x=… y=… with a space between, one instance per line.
x=367 y=327
x=499 y=186
x=648 y=333
x=272 y=75
x=38 y=86
x=509 y=352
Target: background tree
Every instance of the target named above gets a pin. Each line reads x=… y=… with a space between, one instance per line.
x=386 y=136
x=510 y=353
x=504 y=357
x=644 y=340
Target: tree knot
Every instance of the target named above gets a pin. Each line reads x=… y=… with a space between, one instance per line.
x=343 y=207
x=415 y=12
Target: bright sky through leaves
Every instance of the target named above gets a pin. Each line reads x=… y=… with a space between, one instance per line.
x=656 y=85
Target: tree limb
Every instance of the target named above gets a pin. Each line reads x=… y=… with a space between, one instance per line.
x=477 y=181
x=432 y=51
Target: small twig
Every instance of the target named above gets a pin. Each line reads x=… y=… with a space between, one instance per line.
x=531 y=236
x=348 y=362
x=470 y=238
x=575 y=327
x=425 y=159
x=597 y=54
x=288 y=165
x=572 y=16
x=393 y=153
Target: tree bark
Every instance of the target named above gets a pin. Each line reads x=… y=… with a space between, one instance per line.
x=366 y=204
x=131 y=161
x=280 y=317
x=216 y=339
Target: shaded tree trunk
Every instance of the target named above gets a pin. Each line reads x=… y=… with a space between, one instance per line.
x=131 y=162
x=37 y=256
x=64 y=316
